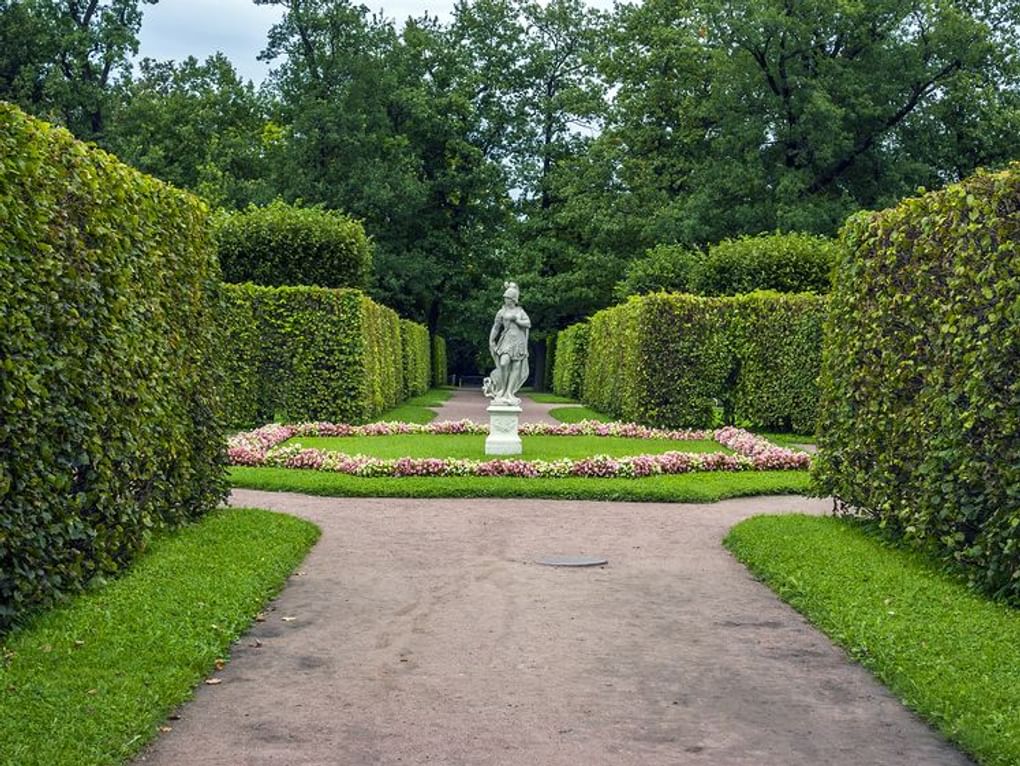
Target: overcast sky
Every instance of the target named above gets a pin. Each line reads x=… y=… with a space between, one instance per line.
x=176 y=29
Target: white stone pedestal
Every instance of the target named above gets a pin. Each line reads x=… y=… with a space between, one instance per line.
x=503 y=438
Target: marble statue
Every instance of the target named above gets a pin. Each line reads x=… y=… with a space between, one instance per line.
x=508 y=344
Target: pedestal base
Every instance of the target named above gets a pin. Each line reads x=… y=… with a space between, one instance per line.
x=503 y=438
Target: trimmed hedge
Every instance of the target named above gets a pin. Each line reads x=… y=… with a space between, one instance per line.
x=669 y=359
x=109 y=420
x=282 y=244
x=663 y=268
x=920 y=420
x=439 y=368
x=417 y=373
x=550 y=362
x=776 y=340
x=321 y=354
x=569 y=362
x=788 y=263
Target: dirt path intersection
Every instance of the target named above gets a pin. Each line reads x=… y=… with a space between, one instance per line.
x=423 y=632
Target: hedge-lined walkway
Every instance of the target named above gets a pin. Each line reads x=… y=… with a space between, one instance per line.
x=421 y=631
x=470 y=404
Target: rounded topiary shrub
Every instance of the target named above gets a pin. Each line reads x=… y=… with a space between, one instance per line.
x=787 y=263
x=282 y=244
x=663 y=268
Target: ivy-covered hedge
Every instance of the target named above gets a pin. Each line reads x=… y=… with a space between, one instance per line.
x=320 y=354
x=920 y=420
x=670 y=359
x=788 y=263
x=439 y=369
x=776 y=341
x=282 y=244
x=109 y=420
x=416 y=347
x=569 y=360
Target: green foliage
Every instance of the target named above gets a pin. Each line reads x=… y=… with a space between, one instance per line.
x=776 y=341
x=948 y=653
x=664 y=268
x=439 y=370
x=569 y=360
x=577 y=415
x=682 y=488
x=668 y=359
x=90 y=682
x=787 y=263
x=550 y=362
x=320 y=354
x=282 y=244
x=110 y=424
x=416 y=348
x=920 y=409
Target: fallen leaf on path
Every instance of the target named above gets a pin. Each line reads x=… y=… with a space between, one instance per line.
x=220 y=663
x=165 y=729
x=213 y=681
x=288 y=619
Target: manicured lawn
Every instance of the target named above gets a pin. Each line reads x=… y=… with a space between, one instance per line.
x=683 y=488
x=577 y=414
x=793 y=441
x=89 y=682
x=947 y=652
x=417 y=409
x=547 y=398
x=473 y=446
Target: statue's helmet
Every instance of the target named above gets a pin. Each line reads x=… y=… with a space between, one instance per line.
x=511 y=291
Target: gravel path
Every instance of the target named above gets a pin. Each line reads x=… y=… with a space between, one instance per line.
x=422 y=632
x=470 y=404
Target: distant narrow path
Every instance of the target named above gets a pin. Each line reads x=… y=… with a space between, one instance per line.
x=470 y=404
x=422 y=632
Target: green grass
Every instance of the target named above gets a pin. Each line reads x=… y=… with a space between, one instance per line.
x=89 y=682
x=577 y=414
x=683 y=488
x=947 y=652
x=788 y=440
x=547 y=398
x=417 y=409
x=473 y=446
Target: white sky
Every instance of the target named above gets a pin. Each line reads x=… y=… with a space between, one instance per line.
x=176 y=29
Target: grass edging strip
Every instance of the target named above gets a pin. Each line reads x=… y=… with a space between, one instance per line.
x=699 y=487
x=90 y=681
x=948 y=653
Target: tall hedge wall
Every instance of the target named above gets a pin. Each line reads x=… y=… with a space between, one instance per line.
x=439 y=369
x=321 y=354
x=282 y=244
x=921 y=374
x=783 y=262
x=670 y=359
x=109 y=421
x=569 y=360
x=417 y=351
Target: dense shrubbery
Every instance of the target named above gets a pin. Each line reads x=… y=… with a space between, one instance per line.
x=776 y=341
x=282 y=244
x=920 y=415
x=109 y=423
x=322 y=354
x=438 y=360
x=789 y=263
x=667 y=359
x=414 y=340
x=569 y=359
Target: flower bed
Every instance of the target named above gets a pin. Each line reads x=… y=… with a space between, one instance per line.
x=264 y=447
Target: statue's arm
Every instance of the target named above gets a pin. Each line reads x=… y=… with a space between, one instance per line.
x=523 y=320
x=496 y=327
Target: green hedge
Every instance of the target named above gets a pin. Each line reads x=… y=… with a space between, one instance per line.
x=776 y=340
x=416 y=347
x=281 y=244
x=439 y=369
x=788 y=263
x=321 y=354
x=670 y=359
x=569 y=361
x=550 y=362
x=663 y=268
x=109 y=422
x=920 y=387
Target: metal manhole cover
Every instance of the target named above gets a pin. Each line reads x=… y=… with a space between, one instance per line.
x=573 y=561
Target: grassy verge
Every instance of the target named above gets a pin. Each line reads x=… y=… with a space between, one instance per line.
x=948 y=653
x=473 y=446
x=89 y=682
x=547 y=398
x=683 y=488
x=577 y=414
x=792 y=441
x=418 y=409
